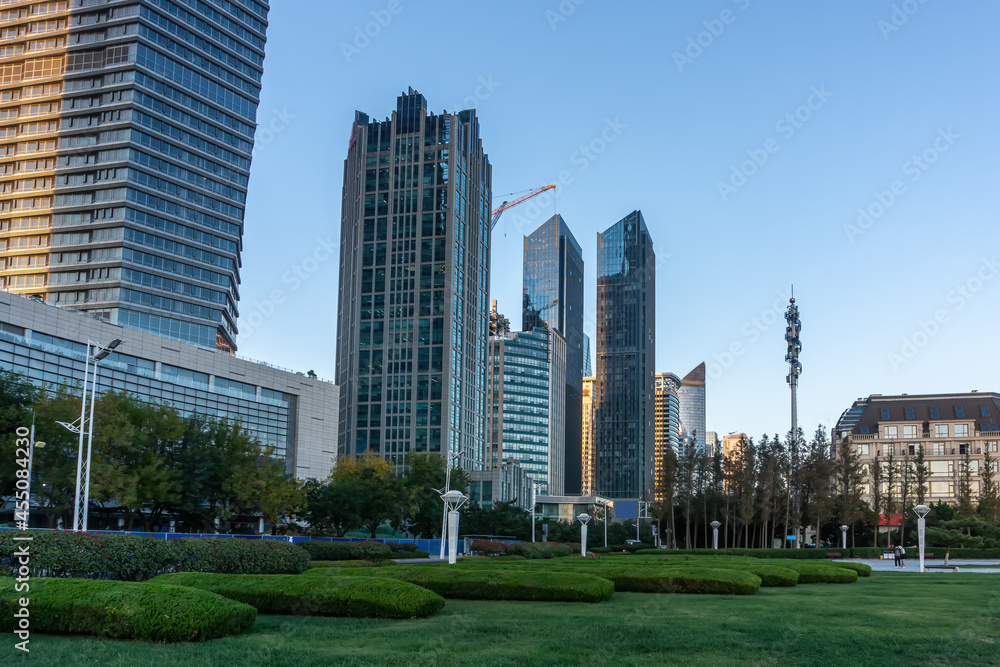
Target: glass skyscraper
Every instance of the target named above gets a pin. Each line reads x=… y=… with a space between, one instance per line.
x=553 y=297
x=126 y=130
x=413 y=315
x=526 y=419
x=668 y=425
x=624 y=433
x=692 y=402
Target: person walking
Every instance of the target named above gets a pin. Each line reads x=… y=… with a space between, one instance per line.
x=902 y=556
x=895 y=556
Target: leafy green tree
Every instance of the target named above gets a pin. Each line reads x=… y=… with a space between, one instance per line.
x=921 y=473
x=17 y=396
x=331 y=506
x=989 y=503
x=849 y=478
x=273 y=492
x=379 y=490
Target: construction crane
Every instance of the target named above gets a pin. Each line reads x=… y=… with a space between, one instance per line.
x=523 y=198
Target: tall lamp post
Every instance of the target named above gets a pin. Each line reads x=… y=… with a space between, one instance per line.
x=85 y=425
x=843 y=537
x=26 y=515
x=715 y=534
x=584 y=518
x=921 y=511
x=453 y=499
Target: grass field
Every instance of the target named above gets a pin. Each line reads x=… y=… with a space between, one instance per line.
x=886 y=619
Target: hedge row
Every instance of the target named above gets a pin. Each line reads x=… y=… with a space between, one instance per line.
x=350 y=563
x=822 y=573
x=126 y=610
x=820 y=554
x=654 y=577
x=489 y=584
x=367 y=550
x=531 y=550
x=131 y=558
x=364 y=597
x=862 y=569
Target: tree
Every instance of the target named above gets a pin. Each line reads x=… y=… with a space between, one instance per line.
x=818 y=477
x=17 y=396
x=55 y=464
x=379 y=489
x=921 y=473
x=274 y=492
x=850 y=476
x=687 y=471
x=989 y=504
x=965 y=507
x=889 y=496
x=666 y=485
x=330 y=506
x=877 y=478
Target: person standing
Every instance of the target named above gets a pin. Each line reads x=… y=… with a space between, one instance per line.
x=902 y=556
x=895 y=556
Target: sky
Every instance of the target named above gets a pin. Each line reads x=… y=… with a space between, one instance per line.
x=849 y=149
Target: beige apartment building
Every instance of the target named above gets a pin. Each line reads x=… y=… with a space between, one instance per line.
x=944 y=426
x=587 y=435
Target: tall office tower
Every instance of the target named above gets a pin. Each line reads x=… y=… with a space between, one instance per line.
x=526 y=399
x=587 y=434
x=692 y=397
x=711 y=442
x=624 y=438
x=413 y=314
x=553 y=297
x=588 y=370
x=668 y=424
x=126 y=132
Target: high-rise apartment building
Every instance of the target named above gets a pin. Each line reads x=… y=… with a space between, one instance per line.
x=668 y=425
x=587 y=435
x=691 y=393
x=731 y=444
x=711 y=442
x=413 y=312
x=126 y=131
x=526 y=399
x=624 y=438
x=553 y=297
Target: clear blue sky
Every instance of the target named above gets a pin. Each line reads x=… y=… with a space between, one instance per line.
x=885 y=86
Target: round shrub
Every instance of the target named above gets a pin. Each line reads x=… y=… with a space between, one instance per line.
x=862 y=569
x=127 y=610
x=319 y=550
x=491 y=584
x=369 y=550
x=364 y=597
x=822 y=573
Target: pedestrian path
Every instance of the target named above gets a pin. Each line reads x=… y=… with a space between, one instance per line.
x=913 y=565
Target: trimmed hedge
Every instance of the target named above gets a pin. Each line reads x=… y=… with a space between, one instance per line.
x=127 y=610
x=132 y=558
x=862 y=569
x=492 y=584
x=401 y=546
x=416 y=553
x=488 y=547
x=366 y=550
x=637 y=578
x=351 y=563
x=363 y=597
x=821 y=573
x=542 y=549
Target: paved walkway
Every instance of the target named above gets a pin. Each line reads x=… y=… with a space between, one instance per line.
x=913 y=565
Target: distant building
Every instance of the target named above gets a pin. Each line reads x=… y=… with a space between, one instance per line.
x=587 y=366
x=553 y=297
x=624 y=440
x=526 y=418
x=589 y=459
x=505 y=483
x=667 y=425
x=945 y=427
x=731 y=443
x=413 y=309
x=291 y=412
x=692 y=399
x=711 y=443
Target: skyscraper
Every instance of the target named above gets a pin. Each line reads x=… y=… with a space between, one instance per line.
x=412 y=321
x=668 y=424
x=587 y=438
x=126 y=131
x=526 y=417
x=588 y=370
x=553 y=297
x=692 y=398
x=624 y=438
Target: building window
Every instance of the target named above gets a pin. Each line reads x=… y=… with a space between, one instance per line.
x=984 y=410
x=934 y=413
x=941 y=430
x=959 y=411
x=885 y=413
x=991 y=446
x=961 y=430
x=909 y=413
x=909 y=431
x=965 y=448
x=887 y=450
x=938 y=449
x=864 y=429
x=864 y=450
x=891 y=432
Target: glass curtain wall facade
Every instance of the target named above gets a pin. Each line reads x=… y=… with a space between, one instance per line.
x=413 y=315
x=553 y=297
x=126 y=131
x=624 y=437
x=668 y=426
x=526 y=421
x=692 y=402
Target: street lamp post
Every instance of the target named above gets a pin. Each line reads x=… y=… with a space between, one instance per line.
x=921 y=511
x=453 y=499
x=715 y=534
x=532 y=510
x=843 y=537
x=584 y=518
x=85 y=425
x=31 y=461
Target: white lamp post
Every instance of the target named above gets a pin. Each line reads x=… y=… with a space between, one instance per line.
x=81 y=499
x=843 y=539
x=921 y=511
x=715 y=534
x=452 y=500
x=584 y=518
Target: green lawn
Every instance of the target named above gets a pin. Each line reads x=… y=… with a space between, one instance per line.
x=886 y=619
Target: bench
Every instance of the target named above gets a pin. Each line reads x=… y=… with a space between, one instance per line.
x=834 y=554
x=953 y=568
